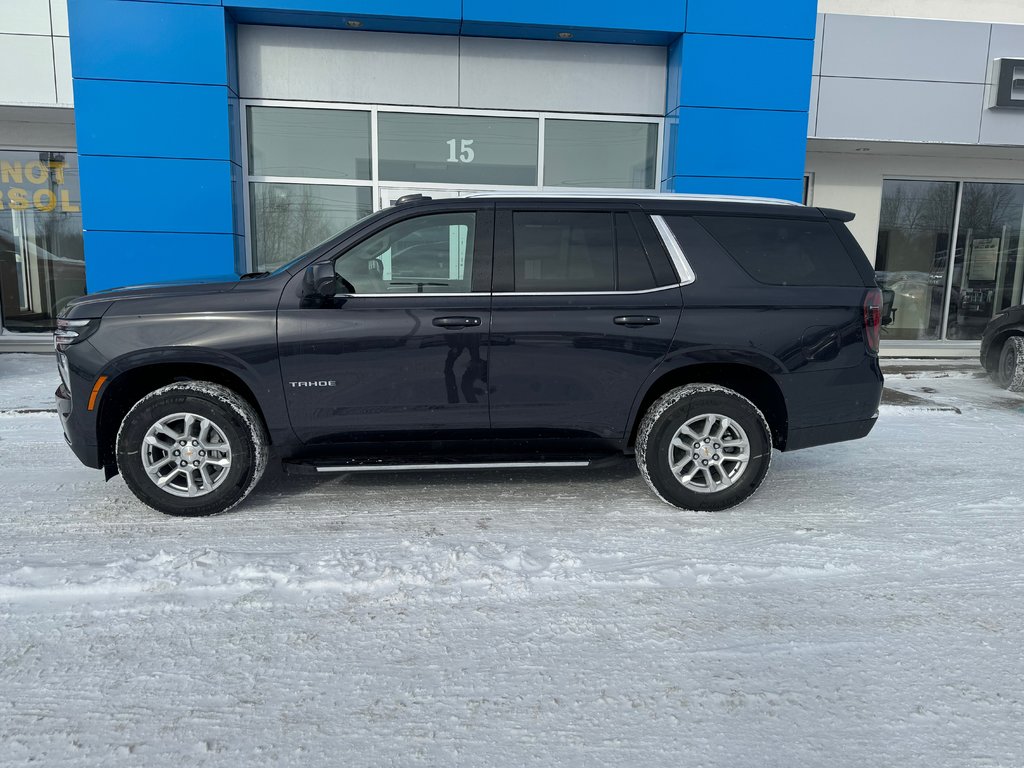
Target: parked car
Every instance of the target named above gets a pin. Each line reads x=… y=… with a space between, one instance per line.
x=1002 y=348
x=695 y=334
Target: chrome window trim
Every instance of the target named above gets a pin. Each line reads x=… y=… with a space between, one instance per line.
x=683 y=268
x=440 y=294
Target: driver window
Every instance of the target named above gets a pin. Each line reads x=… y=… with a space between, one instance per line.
x=427 y=254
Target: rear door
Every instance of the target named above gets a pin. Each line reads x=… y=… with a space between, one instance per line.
x=401 y=351
x=580 y=317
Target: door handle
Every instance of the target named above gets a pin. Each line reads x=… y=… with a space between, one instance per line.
x=633 y=321
x=456 y=322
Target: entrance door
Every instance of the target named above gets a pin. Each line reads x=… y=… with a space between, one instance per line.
x=402 y=348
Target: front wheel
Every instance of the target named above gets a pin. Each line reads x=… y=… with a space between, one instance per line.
x=192 y=448
x=703 y=447
x=1010 y=373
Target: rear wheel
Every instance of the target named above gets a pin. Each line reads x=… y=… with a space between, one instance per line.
x=703 y=447
x=1010 y=373
x=192 y=448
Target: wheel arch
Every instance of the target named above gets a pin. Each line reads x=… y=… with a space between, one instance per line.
x=754 y=383
x=995 y=347
x=130 y=380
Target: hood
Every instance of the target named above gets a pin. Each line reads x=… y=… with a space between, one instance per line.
x=95 y=304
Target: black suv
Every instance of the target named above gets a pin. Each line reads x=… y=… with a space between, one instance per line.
x=490 y=332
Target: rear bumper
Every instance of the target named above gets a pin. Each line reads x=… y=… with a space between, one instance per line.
x=808 y=437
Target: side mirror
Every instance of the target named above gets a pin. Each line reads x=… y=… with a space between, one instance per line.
x=888 y=313
x=319 y=280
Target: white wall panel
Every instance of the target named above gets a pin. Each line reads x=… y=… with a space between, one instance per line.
x=812 y=112
x=62 y=67
x=28 y=78
x=1009 y=11
x=25 y=17
x=334 y=65
x=59 y=17
x=905 y=49
x=899 y=110
x=564 y=77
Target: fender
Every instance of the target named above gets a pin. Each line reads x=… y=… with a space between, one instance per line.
x=679 y=358
x=266 y=389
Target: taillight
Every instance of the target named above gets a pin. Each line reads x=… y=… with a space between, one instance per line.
x=873 y=319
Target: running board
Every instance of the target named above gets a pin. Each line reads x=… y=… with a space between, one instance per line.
x=309 y=468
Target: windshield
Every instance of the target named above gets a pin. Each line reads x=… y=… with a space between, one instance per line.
x=287 y=266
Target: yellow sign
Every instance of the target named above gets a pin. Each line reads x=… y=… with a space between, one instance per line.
x=40 y=187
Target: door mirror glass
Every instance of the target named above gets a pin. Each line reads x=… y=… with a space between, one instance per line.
x=888 y=299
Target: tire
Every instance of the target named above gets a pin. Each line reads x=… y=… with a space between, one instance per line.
x=215 y=476
x=1009 y=373
x=705 y=414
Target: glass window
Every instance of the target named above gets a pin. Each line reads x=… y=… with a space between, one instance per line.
x=457 y=149
x=311 y=143
x=592 y=153
x=42 y=266
x=913 y=252
x=785 y=251
x=289 y=219
x=427 y=254
x=989 y=267
x=563 y=252
x=633 y=269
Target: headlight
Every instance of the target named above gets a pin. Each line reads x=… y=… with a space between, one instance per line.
x=72 y=331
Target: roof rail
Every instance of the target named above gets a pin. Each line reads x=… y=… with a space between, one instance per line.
x=680 y=196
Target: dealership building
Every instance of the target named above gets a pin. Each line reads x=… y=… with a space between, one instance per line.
x=144 y=141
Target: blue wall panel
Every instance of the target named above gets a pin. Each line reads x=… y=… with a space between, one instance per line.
x=164 y=120
x=161 y=42
x=746 y=72
x=741 y=142
x=156 y=195
x=783 y=189
x=660 y=15
x=417 y=9
x=757 y=18
x=146 y=257
x=157 y=108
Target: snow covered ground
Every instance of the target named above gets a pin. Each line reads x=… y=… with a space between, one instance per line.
x=865 y=608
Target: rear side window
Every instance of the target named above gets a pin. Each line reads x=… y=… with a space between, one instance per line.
x=576 y=251
x=785 y=251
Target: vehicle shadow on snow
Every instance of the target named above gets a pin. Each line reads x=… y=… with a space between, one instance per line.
x=440 y=484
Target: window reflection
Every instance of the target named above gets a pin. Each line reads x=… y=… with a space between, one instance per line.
x=289 y=219
x=593 y=153
x=42 y=266
x=988 y=275
x=913 y=254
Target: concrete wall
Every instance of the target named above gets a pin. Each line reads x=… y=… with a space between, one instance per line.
x=852 y=180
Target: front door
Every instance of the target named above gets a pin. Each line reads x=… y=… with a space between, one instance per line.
x=403 y=346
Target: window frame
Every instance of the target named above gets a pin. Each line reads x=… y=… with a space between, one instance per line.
x=482 y=253
x=961 y=182
x=504 y=246
x=376 y=183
